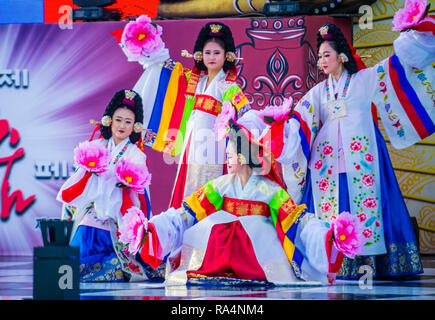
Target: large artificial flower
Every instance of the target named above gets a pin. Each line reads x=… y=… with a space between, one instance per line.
x=142 y=38
x=276 y=113
x=347 y=232
x=410 y=15
x=228 y=112
x=132 y=228
x=92 y=156
x=132 y=175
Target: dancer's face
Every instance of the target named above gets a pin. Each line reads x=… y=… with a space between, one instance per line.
x=122 y=124
x=329 y=61
x=213 y=56
x=233 y=164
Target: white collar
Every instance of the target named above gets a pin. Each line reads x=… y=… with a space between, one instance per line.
x=337 y=86
x=115 y=150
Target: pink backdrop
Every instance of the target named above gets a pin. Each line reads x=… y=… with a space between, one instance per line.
x=53 y=81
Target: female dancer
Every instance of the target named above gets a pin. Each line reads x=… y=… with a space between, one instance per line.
x=104 y=188
x=243 y=228
x=335 y=158
x=181 y=108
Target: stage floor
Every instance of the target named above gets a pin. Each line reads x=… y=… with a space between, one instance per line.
x=16 y=283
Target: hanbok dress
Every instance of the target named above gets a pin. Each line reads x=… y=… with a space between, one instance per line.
x=179 y=117
x=226 y=234
x=95 y=203
x=335 y=159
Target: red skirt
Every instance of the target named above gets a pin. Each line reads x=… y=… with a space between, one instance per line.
x=229 y=254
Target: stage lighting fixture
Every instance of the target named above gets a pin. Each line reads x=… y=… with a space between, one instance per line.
x=287 y=8
x=300 y=8
x=93 y=10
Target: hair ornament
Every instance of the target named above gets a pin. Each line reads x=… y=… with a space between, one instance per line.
x=137 y=127
x=324 y=33
x=197 y=56
x=130 y=95
x=186 y=54
x=215 y=28
x=343 y=57
x=231 y=56
x=106 y=121
x=129 y=98
x=241 y=159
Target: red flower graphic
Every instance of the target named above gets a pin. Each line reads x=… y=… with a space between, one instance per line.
x=368 y=180
x=326 y=207
x=133 y=267
x=369 y=157
x=370 y=202
x=318 y=164
x=362 y=216
x=327 y=149
x=323 y=184
x=355 y=146
x=367 y=233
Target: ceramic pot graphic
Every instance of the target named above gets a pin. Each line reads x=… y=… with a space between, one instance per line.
x=277 y=63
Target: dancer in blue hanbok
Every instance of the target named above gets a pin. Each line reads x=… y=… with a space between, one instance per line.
x=334 y=157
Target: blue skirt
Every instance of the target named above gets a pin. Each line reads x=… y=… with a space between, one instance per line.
x=98 y=260
x=402 y=257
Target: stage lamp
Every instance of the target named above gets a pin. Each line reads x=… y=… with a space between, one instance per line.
x=287 y=8
x=93 y=10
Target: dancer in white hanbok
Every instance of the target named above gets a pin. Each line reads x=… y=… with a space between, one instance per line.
x=95 y=198
x=334 y=157
x=181 y=105
x=243 y=228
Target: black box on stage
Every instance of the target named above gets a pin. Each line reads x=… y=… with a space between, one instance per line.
x=56 y=274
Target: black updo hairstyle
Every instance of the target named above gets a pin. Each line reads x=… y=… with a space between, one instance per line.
x=245 y=147
x=134 y=105
x=223 y=37
x=338 y=42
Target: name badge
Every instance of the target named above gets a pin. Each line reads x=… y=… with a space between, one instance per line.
x=336 y=109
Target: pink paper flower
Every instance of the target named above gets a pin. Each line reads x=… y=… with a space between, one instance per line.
x=92 y=156
x=141 y=37
x=132 y=175
x=228 y=112
x=277 y=113
x=410 y=15
x=132 y=228
x=348 y=235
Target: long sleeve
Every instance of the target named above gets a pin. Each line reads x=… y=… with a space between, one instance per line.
x=292 y=148
x=404 y=94
x=166 y=230
x=84 y=188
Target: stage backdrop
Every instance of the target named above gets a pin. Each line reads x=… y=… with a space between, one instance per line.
x=54 y=80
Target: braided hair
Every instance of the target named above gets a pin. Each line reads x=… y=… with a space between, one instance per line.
x=134 y=105
x=338 y=42
x=221 y=35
